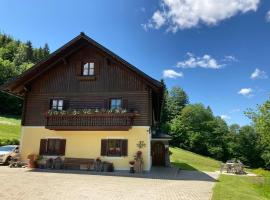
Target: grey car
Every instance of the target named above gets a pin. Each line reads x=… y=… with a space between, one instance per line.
x=7 y=152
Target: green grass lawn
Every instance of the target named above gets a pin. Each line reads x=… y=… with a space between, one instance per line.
x=228 y=187
x=10 y=127
x=192 y=161
x=242 y=187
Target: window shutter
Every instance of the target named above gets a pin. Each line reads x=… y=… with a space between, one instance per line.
x=125 y=104
x=50 y=104
x=124 y=148
x=104 y=146
x=43 y=147
x=66 y=105
x=62 y=149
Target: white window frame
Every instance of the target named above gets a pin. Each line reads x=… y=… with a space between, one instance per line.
x=88 y=69
x=57 y=104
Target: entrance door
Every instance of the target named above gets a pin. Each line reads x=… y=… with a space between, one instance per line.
x=158 y=154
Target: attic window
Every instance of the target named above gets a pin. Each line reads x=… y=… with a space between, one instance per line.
x=88 y=69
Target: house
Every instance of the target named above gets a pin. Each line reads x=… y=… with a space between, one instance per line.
x=84 y=101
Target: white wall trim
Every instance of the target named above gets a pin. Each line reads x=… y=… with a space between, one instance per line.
x=149 y=151
x=21 y=140
x=121 y=168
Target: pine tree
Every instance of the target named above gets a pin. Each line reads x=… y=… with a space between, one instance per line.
x=46 y=51
x=29 y=51
x=164 y=115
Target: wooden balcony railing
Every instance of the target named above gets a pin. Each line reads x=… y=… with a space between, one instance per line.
x=98 y=121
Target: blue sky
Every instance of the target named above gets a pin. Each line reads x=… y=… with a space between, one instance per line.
x=210 y=48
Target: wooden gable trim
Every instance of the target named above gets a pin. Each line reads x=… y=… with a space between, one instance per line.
x=37 y=70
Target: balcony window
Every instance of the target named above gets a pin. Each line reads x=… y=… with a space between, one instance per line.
x=57 y=104
x=116 y=104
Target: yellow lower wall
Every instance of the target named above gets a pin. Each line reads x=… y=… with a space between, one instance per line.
x=87 y=144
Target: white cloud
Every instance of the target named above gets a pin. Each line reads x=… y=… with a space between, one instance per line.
x=258 y=74
x=206 y=61
x=159 y=21
x=225 y=117
x=184 y=14
x=268 y=16
x=230 y=58
x=247 y=92
x=169 y=73
x=235 y=110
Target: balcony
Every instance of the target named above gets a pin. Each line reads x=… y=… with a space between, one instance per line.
x=93 y=121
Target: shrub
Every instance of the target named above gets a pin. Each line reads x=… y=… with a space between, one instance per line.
x=4 y=142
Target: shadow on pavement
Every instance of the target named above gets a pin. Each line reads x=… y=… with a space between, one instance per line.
x=164 y=173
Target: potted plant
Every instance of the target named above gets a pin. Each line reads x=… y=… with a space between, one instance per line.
x=131 y=163
x=98 y=164
x=32 y=163
x=139 y=154
x=98 y=159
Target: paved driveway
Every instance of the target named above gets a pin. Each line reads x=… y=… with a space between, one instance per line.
x=167 y=184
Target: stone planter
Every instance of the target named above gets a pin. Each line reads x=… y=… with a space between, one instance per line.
x=98 y=166
x=132 y=171
x=41 y=163
x=108 y=167
x=57 y=163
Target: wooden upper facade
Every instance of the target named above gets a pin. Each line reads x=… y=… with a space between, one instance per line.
x=85 y=77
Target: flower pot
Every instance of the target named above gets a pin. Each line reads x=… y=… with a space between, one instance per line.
x=32 y=164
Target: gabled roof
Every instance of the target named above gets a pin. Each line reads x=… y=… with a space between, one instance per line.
x=17 y=84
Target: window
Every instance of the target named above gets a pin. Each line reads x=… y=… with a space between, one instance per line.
x=57 y=104
x=88 y=69
x=55 y=147
x=114 y=147
x=116 y=103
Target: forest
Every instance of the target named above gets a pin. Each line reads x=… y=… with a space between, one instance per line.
x=193 y=127
x=15 y=58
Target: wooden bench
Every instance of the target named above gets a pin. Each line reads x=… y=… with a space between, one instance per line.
x=77 y=162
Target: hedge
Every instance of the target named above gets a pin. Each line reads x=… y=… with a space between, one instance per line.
x=9 y=142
